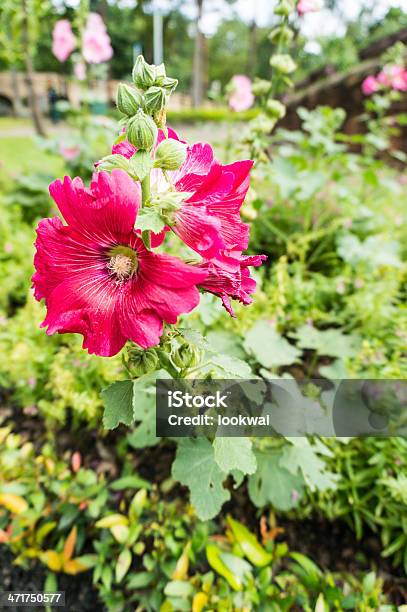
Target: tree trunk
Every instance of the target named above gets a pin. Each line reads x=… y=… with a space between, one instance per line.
x=252 y=57
x=29 y=70
x=198 y=65
x=17 y=104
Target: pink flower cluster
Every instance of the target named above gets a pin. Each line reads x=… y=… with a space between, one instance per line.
x=309 y=6
x=99 y=279
x=392 y=76
x=63 y=40
x=242 y=97
x=96 y=47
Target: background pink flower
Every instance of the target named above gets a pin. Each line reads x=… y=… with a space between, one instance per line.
x=309 y=6
x=96 y=46
x=63 y=40
x=242 y=97
x=80 y=71
x=370 y=85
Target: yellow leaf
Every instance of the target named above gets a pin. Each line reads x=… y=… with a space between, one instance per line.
x=74 y=567
x=199 y=602
x=69 y=546
x=181 y=569
x=52 y=559
x=120 y=533
x=13 y=503
x=110 y=521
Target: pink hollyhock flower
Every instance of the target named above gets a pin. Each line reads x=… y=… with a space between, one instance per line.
x=398 y=78
x=80 y=71
x=96 y=275
x=370 y=85
x=96 y=47
x=209 y=219
x=63 y=40
x=309 y=6
x=230 y=278
x=242 y=97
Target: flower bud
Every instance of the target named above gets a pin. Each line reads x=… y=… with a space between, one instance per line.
x=168 y=84
x=155 y=99
x=142 y=362
x=128 y=100
x=143 y=74
x=284 y=7
x=275 y=109
x=283 y=63
x=187 y=356
x=170 y=154
x=142 y=131
x=261 y=87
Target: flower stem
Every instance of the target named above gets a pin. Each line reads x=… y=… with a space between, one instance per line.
x=145 y=189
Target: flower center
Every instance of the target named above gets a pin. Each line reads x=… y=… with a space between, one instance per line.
x=122 y=263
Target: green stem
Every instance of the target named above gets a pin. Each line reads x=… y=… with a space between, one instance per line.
x=145 y=188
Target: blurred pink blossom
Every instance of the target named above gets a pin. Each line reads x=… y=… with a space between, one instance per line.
x=69 y=153
x=96 y=47
x=370 y=85
x=80 y=71
x=63 y=40
x=393 y=76
x=309 y=6
x=242 y=97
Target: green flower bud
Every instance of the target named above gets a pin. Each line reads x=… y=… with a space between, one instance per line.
x=261 y=87
x=142 y=362
x=281 y=34
x=143 y=74
x=111 y=162
x=168 y=84
x=284 y=7
x=187 y=356
x=155 y=99
x=275 y=109
x=283 y=63
x=128 y=100
x=142 y=131
x=170 y=154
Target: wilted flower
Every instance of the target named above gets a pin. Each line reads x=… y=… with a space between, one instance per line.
x=242 y=97
x=96 y=275
x=63 y=40
x=96 y=46
x=229 y=278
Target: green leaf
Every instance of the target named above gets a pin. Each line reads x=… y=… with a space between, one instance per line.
x=196 y=468
x=235 y=454
x=144 y=410
x=231 y=365
x=149 y=219
x=301 y=456
x=141 y=164
x=224 y=341
x=273 y=484
x=330 y=342
x=335 y=370
x=178 y=588
x=130 y=482
x=268 y=347
x=123 y=564
x=193 y=336
x=118 y=402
